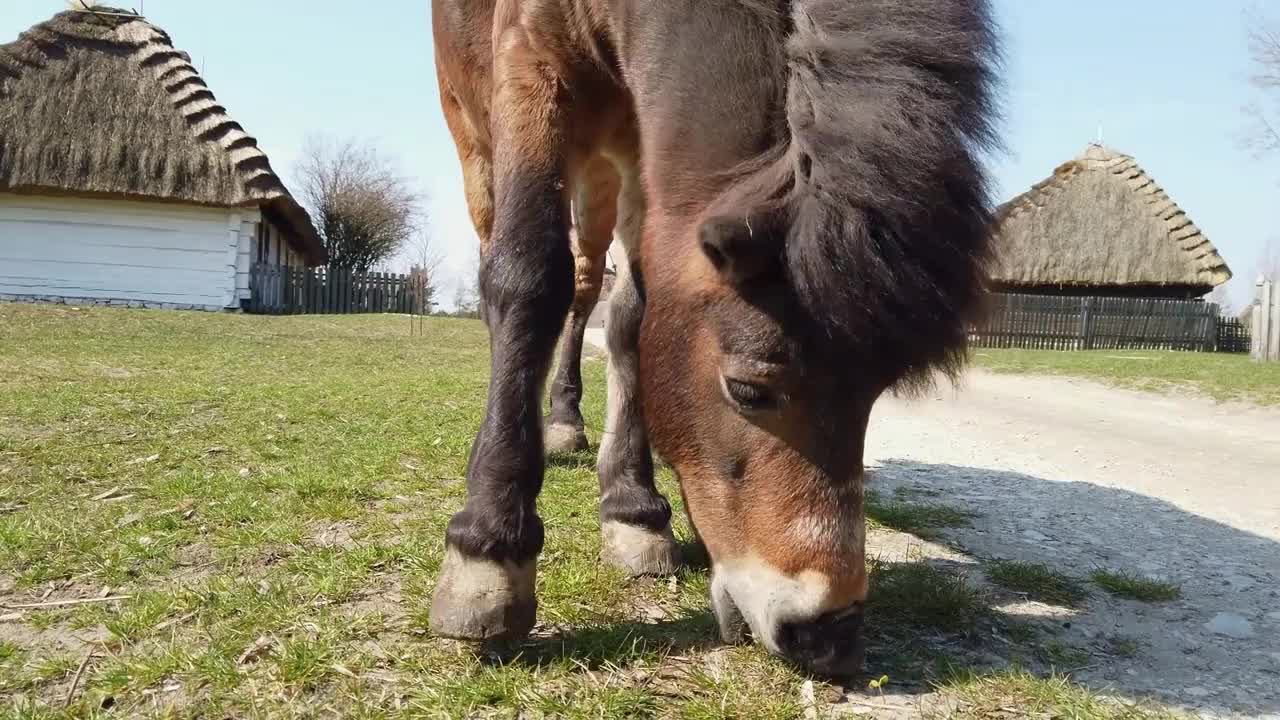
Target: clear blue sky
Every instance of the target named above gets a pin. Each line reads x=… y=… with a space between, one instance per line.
x=1165 y=80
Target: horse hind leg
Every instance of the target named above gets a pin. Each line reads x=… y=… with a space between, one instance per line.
x=594 y=213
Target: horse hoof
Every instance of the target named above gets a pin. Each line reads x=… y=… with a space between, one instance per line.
x=638 y=550
x=563 y=438
x=479 y=599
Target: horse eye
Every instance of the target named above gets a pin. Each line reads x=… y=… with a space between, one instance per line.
x=748 y=396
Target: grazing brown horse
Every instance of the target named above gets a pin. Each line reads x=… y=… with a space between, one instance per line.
x=797 y=187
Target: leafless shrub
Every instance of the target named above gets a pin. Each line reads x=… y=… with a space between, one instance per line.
x=364 y=209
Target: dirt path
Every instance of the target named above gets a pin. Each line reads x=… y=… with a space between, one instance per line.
x=1078 y=476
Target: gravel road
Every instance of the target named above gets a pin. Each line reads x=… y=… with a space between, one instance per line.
x=1078 y=475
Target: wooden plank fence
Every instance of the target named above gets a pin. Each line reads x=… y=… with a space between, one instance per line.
x=1265 y=317
x=286 y=290
x=1097 y=323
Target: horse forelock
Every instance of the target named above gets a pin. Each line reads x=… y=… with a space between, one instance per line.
x=889 y=108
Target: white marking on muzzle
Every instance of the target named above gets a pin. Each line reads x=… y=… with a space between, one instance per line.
x=767 y=598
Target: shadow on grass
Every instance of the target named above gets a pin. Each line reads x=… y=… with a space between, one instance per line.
x=923 y=619
x=694 y=555
x=573 y=460
x=922 y=519
x=620 y=643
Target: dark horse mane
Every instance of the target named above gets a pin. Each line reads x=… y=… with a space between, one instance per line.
x=878 y=177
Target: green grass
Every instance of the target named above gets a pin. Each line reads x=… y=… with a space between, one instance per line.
x=1218 y=375
x=917 y=615
x=1033 y=696
x=1021 y=631
x=1123 y=647
x=1061 y=656
x=280 y=488
x=923 y=519
x=1135 y=587
x=271 y=494
x=1038 y=582
x=908 y=597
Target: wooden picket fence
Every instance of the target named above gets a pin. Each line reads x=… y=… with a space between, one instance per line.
x=1233 y=335
x=1265 y=317
x=286 y=290
x=1097 y=323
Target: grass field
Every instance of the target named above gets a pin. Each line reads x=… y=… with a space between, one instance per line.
x=231 y=516
x=1218 y=375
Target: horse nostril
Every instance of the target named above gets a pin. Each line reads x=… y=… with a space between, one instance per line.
x=829 y=645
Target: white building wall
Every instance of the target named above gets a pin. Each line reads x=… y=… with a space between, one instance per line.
x=130 y=252
x=246 y=246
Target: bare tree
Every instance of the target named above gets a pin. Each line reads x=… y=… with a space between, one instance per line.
x=421 y=252
x=1262 y=135
x=364 y=209
x=424 y=269
x=466 y=298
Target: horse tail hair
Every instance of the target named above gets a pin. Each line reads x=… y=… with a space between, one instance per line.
x=890 y=105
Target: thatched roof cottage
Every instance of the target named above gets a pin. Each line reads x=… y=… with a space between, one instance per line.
x=1101 y=226
x=121 y=177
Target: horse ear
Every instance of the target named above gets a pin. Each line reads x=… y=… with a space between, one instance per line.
x=742 y=248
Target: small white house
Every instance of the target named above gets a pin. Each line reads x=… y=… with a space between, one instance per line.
x=122 y=181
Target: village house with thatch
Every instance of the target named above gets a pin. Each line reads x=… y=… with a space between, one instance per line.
x=1100 y=226
x=123 y=181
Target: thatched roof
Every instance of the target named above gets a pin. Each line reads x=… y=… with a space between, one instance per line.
x=100 y=102
x=1101 y=221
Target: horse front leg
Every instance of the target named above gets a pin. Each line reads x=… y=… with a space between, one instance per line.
x=485 y=590
x=635 y=519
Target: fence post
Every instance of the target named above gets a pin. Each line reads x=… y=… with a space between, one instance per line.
x=1273 y=333
x=340 y=277
x=326 y=291
x=1211 y=328
x=275 y=289
x=1086 y=324
x=1262 y=320
x=260 y=290
x=254 y=274
x=270 y=287
x=301 y=284
x=1268 y=308
x=1271 y=313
